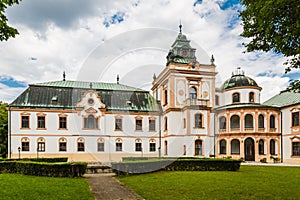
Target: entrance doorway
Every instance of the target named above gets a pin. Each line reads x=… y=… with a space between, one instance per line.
x=249 y=150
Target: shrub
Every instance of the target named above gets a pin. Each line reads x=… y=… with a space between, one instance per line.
x=43 y=169
x=48 y=160
x=263 y=160
x=176 y=165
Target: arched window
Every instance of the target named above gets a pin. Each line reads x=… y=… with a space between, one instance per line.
x=217 y=100
x=235 y=97
x=198 y=147
x=272 y=121
x=166 y=147
x=118 y=144
x=184 y=150
x=235 y=146
x=152 y=145
x=251 y=97
x=222 y=122
x=261 y=147
x=248 y=121
x=198 y=121
x=25 y=144
x=62 y=144
x=41 y=145
x=91 y=122
x=166 y=97
x=166 y=124
x=272 y=147
x=234 y=121
x=100 y=145
x=261 y=121
x=222 y=146
x=193 y=93
x=80 y=144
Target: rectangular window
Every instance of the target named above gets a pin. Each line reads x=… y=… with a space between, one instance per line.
x=198 y=121
x=138 y=146
x=100 y=146
x=80 y=146
x=138 y=124
x=151 y=125
x=152 y=147
x=25 y=122
x=62 y=122
x=184 y=123
x=118 y=124
x=41 y=146
x=25 y=146
x=295 y=119
x=296 y=149
x=118 y=146
x=62 y=146
x=41 y=122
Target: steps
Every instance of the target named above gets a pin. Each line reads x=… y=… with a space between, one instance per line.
x=98 y=168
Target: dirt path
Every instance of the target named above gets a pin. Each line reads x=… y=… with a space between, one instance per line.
x=106 y=186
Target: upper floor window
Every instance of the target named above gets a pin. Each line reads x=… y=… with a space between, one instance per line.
x=198 y=121
x=165 y=97
x=166 y=124
x=272 y=121
x=234 y=122
x=138 y=124
x=222 y=122
x=193 y=93
x=217 y=100
x=261 y=121
x=151 y=125
x=251 y=97
x=235 y=97
x=248 y=121
x=295 y=119
x=91 y=122
x=41 y=122
x=24 y=121
x=62 y=122
x=118 y=124
x=184 y=123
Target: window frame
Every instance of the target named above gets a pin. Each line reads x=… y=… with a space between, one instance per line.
x=91 y=120
x=118 y=124
x=295 y=122
x=198 y=120
x=139 y=126
x=236 y=97
x=61 y=122
x=23 y=121
x=296 y=148
x=152 y=126
x=41 y=122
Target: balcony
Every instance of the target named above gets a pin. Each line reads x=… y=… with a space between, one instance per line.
x=196 y=102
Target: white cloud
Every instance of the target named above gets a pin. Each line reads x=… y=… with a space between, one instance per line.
x=67 y=47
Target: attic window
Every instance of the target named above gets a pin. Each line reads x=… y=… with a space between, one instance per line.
x=54 y=98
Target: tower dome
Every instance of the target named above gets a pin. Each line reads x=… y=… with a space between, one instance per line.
x=238 y=79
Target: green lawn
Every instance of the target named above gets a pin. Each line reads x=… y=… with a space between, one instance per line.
x=16 y=186
x=251 y=182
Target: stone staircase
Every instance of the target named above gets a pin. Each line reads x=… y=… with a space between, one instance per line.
x=98 y=168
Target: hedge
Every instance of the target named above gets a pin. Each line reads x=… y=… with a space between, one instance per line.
x=44 y=169
x=48 y=160
x=176 y=165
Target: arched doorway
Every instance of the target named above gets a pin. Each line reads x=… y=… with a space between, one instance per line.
x=249 y=149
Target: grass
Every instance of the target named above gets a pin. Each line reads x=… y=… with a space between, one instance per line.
x=16 y=186
x=251 y=182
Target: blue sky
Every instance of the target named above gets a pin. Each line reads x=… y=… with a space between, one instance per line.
x=60 y=35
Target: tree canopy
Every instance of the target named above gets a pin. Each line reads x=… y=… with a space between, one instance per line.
x=3 y=129
x=274 y=25
x=6 y=31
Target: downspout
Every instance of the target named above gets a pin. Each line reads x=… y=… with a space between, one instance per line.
x=281 y=138
x=159 y=127
x=9 y=132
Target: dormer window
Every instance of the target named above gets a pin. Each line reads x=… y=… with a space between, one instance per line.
x=91 y=122
x=236 y=97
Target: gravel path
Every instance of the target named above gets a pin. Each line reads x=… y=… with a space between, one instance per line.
x=106 y=186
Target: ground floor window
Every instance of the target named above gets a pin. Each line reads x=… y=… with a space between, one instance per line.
x=62 y=146
x=272 y=147
x=261 y=147
x=152 y=147
x=118 y=146
x=80 y=146
x=198 y=147
x=100 y=146
x=41 y=146
x=138 y=146
x=296 y=149
x=25 y=146
x=223 y=147
x=235 y=146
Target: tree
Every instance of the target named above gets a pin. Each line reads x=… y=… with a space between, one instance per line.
x=5 y=30
x=274 y=25
x=3 y=129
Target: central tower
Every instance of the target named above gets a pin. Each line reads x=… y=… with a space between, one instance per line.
x=186 y=90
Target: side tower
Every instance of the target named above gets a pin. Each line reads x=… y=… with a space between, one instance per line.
x=186 y=90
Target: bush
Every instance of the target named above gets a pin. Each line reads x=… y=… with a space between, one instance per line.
x=176 y=165
x=43 y=169
x=47 y=160
x=263 y=160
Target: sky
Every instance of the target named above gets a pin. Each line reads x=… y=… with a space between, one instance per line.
x=96 y=40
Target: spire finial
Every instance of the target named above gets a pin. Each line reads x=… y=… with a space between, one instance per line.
x=154 y=77
x=118 y=78
x=212 y=60
x=64 y=76
x=180 y=27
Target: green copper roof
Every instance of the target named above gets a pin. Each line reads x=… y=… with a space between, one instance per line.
x=283 y=99
x=66 y=95
x=88 y=85
x=238 y=81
